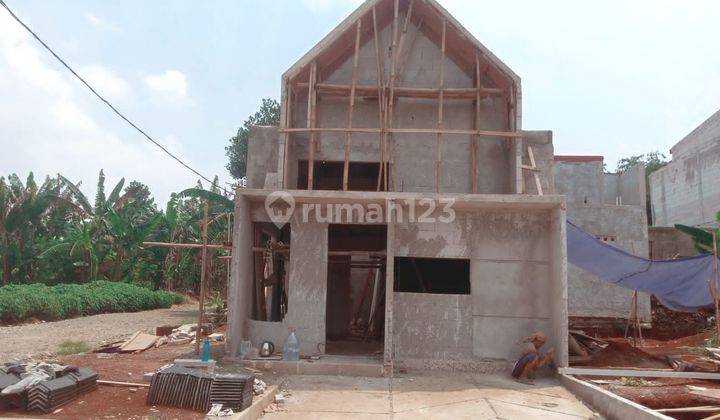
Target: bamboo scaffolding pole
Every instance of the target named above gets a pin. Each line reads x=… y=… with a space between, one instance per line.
x=381 y=99
x=487 y=133
x=287 y=124
x=351 y=106
x=333 y=89
x=179 y=245
x=311 y=116
x=438 y=145
x=391 y=101
x=473 y=140
x=716 y=283
x=538 y=185
x=203 y=270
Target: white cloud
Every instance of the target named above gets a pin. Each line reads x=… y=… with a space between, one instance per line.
x=101 y=23
x=105 y=81
x=53 y=125
x=171 y=82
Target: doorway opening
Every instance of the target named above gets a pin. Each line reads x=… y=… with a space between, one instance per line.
x=355 y=303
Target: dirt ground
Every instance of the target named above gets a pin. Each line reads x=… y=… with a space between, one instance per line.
x=23 y=341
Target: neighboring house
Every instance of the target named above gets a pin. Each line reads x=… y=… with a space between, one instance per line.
x=612 y=207
x=687 y=190
x=400 y=109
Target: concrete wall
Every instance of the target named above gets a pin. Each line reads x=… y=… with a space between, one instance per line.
x=687 y=191
x=517 y=281
x=445 y=322
x=262 y=157
x=414 y=154
x=512 y=283
x=544 y=153
x=591 y=198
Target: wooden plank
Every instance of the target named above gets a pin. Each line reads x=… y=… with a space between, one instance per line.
x=116 y=383
x=389 y=115
x=381 y=99
x=701 y=409
x=203 y=270
x=287 y=123
x=538 y=185
x=334 y=89
x=311 y=116
x=179 y=245
x=473 y=140
x=482 y=133
x=138 y=342
x=351 y=106
x=638 y=373
x=438 y=144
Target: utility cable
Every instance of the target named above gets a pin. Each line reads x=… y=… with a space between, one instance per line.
x=105 y=101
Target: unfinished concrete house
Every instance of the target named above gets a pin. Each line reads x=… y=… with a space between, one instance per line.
x=612 y=207
x=400 y=213
x=687 y=191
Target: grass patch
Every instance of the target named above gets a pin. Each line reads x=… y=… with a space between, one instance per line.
x=19 y=302
x=72 y=347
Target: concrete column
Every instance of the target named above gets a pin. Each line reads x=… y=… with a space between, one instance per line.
x=558 y=238
x=389 y=356
x=241 y=277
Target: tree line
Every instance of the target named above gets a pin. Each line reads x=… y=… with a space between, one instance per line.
x=52 y=233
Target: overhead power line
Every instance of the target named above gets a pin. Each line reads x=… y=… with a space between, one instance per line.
x=105 y=101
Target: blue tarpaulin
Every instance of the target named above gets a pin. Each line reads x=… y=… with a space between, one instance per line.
x=682 y=284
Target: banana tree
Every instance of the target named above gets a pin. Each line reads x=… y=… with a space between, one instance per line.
x=79 y=245
x=22 y=208
x=703 y=238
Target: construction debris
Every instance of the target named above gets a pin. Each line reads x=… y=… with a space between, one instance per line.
x=138 y=342
x=181 y=387
x=43 y=386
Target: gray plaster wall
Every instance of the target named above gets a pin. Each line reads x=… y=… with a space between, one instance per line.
x=541 y=142
x=414 y=154
x=307 y=271
x=687 y=191
x=511 y=280
x=262 y=155
x=591 y=198
x=445 y=320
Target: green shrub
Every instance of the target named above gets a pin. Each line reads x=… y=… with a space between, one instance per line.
x=19 y=302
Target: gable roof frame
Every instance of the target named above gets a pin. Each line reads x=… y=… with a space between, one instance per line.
x=349 y=22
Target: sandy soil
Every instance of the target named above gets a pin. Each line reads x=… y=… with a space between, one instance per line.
x=23 y=341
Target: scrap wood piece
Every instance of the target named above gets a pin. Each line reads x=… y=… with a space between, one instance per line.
x=700 y=409
x=138 y=342
x=116 y=383
x=576 y=348
x=581 y=334
x=710 y=393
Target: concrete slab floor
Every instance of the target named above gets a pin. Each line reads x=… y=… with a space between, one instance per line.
x=426 y=396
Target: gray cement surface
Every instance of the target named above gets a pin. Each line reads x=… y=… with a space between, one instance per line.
x=423 y=396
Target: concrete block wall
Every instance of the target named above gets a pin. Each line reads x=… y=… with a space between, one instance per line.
x=687 y=190
x=414 y=154
x=262 y=156
x=513 y=290
x=591 y=204
x=433 y=326
x=667 y=243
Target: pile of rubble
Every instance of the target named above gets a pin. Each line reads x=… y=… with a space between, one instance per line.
x=43 y=386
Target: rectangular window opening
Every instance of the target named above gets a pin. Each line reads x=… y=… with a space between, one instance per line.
x=432 y=275
x=328 y=175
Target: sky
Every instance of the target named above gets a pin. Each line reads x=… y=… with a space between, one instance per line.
x=611 y=78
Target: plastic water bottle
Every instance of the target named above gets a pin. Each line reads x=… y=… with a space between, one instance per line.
x=205 y=356
x=291 y=352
